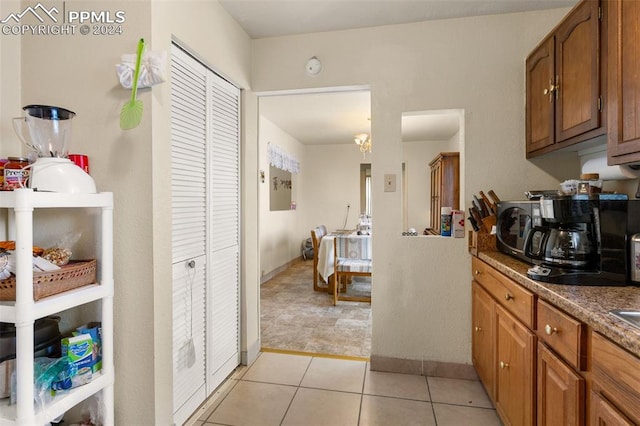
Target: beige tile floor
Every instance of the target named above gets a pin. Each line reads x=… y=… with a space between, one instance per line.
x=299 y=390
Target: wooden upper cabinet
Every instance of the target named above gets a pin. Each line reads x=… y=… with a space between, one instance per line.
x=540 y=96
x=564 y=83
x=578 y=72
x=623 y=104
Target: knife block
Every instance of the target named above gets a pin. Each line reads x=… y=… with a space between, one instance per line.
x=482 y=240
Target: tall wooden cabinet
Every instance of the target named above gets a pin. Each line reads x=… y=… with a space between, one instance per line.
x=445 y=185
x=623 y=144
x=565 y=85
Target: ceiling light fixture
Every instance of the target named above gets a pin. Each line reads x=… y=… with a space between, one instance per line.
x=364 y=142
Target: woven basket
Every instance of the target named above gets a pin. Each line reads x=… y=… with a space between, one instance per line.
x=75 y=274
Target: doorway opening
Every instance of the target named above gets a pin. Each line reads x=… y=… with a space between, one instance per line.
x=317 y=130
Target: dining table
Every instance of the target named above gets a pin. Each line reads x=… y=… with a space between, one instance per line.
x=359 y=248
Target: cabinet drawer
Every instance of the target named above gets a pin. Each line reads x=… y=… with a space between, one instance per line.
x=566 y=335
x=617 y=373
x=516 y=299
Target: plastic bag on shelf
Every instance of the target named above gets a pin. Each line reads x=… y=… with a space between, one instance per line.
x=92 y=411
x=46 y=372
x=60 y=253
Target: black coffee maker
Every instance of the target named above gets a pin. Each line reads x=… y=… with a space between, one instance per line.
x=582 y=239
x=568 y=237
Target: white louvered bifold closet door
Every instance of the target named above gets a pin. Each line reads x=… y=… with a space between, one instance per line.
x=205 y=172
x=223 y=320
x=189 y=219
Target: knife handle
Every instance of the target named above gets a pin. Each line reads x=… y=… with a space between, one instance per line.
x=494 y=197
x=473 y=223
x=477 y=206
x=489 y=205
x=476 y=215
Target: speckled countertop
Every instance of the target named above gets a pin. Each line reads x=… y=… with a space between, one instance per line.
x=589 y=304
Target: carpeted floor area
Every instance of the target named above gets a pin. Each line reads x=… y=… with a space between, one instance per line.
x=294 y=317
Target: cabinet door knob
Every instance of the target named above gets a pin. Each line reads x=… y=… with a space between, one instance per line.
x=508 y=297
x=552 y=88
x=550 y=330
x=476 y=328
x=477 y=272
x=504 y=364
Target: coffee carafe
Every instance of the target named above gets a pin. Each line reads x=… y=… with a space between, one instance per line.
x=565 y=245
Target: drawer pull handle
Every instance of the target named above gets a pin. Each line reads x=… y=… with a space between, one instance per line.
x=478 y=329
x=508 y=297
x=550 y=330
x=504 y=364
x=477 y=272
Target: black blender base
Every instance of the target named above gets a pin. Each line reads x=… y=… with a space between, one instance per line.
x=574 y=277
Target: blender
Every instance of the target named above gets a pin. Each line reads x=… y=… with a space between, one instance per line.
x=48 y=129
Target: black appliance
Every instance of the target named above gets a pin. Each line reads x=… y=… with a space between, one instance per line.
x=46 y=338
x=568 y=236
x=583 y=239
x=514 y=221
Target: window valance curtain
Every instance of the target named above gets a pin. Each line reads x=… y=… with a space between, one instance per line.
x=282 y=160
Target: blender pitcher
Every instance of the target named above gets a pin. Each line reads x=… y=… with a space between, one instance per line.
x=48 y=129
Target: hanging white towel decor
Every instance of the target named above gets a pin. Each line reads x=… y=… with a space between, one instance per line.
x=282 y=160
x=152 y=69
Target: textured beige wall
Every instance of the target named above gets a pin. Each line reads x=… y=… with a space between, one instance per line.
x=279 y=238
x=78 y=72
x=9 y=86
x=421 y=299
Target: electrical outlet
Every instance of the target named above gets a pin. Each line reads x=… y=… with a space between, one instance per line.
x=389 y=183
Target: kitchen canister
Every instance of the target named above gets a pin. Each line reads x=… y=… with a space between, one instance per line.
x=445 y=221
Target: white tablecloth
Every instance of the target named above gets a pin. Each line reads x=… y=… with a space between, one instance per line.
x=325 y=253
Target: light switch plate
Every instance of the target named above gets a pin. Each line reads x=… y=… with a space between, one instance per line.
x=389 y=183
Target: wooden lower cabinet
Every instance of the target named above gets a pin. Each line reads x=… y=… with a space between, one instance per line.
x=482 y=340
x=552 y=370
x=616 y=379
x=603 y=413
x=560 y=396
x=515 y=357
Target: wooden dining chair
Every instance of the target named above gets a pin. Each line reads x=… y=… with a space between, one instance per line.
x=316 y=236
x=351 y=259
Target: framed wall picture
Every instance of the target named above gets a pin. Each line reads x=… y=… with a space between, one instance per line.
x=279 y=189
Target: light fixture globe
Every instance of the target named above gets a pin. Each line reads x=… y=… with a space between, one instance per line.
x=364 y=142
